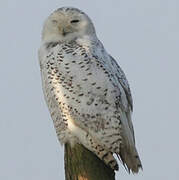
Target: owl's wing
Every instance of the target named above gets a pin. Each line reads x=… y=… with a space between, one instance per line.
x=120 y=75
x=122 y=80
x=128 y=154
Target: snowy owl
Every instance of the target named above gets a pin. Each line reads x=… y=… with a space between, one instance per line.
x=86 y=91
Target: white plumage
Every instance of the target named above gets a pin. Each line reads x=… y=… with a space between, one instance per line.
x=86 y=91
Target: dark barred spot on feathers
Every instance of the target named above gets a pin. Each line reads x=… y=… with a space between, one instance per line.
x=51 y=44
x=81 y=94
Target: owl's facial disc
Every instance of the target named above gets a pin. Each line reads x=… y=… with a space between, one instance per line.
x=67 y=25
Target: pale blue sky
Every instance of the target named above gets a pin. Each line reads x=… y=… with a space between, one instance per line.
x=144 y=34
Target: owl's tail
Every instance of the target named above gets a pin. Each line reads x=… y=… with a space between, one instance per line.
x=130 y=160
x=128 y=152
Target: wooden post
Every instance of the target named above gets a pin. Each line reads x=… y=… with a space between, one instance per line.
x=82 y=164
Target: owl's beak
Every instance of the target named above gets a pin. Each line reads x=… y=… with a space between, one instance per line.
x=64 y=32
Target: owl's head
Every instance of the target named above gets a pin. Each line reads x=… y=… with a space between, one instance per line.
x=67 y=24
